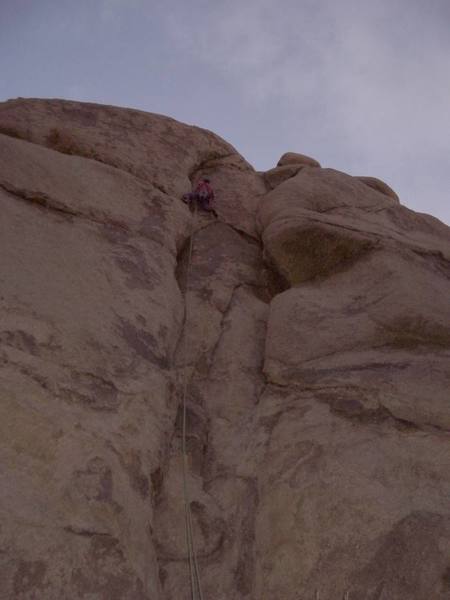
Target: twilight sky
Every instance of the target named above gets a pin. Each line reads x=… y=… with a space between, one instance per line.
x=363 y=86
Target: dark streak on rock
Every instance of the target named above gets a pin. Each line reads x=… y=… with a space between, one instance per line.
x=85 y=532
x=182 y=266
x=131 y=261
x=354 y=410
x=92 y=391
x=39 y=199
x=131 y=462
x=446 y=579
x=21 y=340
x=197 y=427
x=162 y=575
x=436 y=260
x=95 y=482
x=157 y=479
x=44 y=202
x=143 y=343
x=245 y=568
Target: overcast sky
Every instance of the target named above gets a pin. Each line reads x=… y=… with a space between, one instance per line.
x=363 y=86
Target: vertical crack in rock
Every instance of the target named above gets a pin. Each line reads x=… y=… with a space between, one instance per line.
x=224 y=534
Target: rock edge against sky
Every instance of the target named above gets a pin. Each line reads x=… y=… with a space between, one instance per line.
x=315 y=317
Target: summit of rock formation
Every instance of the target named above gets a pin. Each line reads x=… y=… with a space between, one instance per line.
x=310 y=323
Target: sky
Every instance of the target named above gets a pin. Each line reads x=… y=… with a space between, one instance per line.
x=363 y=86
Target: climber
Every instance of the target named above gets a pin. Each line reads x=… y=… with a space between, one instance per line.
x=203 y=195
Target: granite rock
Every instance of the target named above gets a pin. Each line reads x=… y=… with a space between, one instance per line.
x=308 y=324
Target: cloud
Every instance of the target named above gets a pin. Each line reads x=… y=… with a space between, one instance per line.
x=113 y=11
x=364 y=83
x=295 y=52
x=236 y=39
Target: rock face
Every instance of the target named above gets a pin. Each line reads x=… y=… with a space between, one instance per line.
x=311 y=321
x=275 y=176
x=293 y=158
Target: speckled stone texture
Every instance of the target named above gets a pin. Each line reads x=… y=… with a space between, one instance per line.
x=312 y=325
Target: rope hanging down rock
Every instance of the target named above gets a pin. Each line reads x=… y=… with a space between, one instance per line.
x=194 y=573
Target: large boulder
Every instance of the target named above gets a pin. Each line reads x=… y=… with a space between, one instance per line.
x=380 y=186
x=322 y=220
x=306 y=328
x=356 y=405
x=275 y=176
x=294 y=158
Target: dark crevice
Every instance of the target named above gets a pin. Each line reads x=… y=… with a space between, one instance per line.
x=181 y=267
x=198 y=431
x=377 y=237
x=276 y=282
x=132 y=465
x=143 y=344
x=86 y=532
x=331 y=208
x=404 y=425
x=261 y=292
x=252 y=239
x=438 y=261
x=272 y=282
x=159 y=187
x=245 y=568
x=42 y=200
x=225 y=314
x=353 y=410
x=157 y=482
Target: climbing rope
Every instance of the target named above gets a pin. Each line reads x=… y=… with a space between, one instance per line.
x=194 y=573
